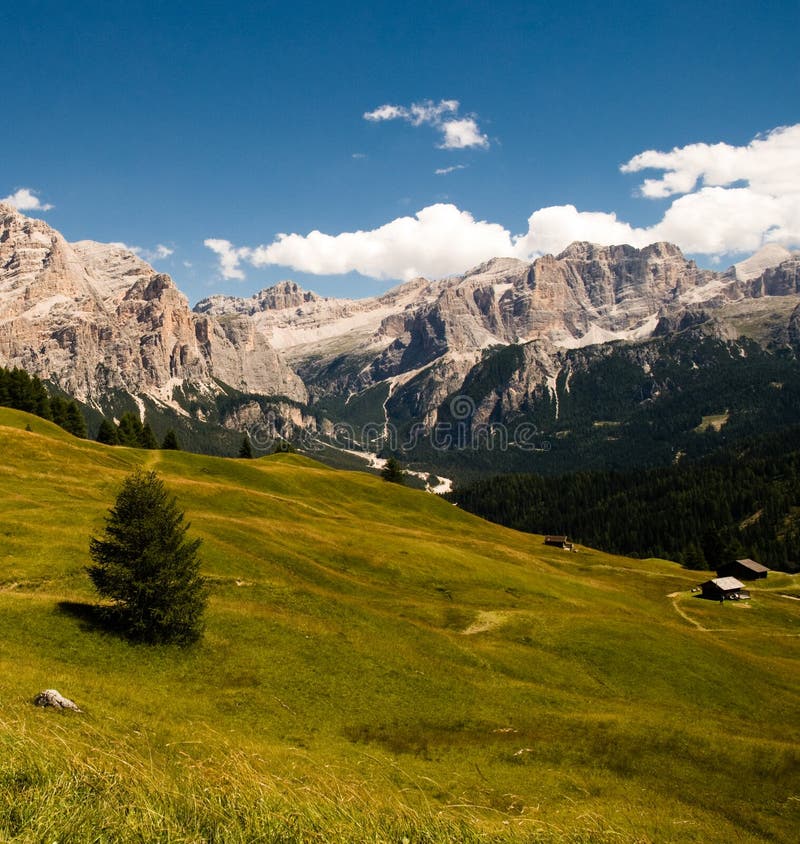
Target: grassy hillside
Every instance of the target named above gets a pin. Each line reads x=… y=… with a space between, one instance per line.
x=378 y=666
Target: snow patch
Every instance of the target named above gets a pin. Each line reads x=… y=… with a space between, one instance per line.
x=552 y=386
x=706 y=292
x=140 y=405
x=374 y=462
x=164 y=396
x=597 y=335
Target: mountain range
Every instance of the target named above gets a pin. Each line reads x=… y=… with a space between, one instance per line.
x=101 y=325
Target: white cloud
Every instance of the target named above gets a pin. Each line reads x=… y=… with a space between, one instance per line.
x=430 y=112
x=443 y=171
x=25 y=199
x=457 y=132
x=229 y=257
x=770 y=164
x=159 y=253
x=436 y=241
x=553 y=228
x=714 y=221
x=462 y=134
x=386 y=112
x=719 y=218
x=149 y=255
x=735 y=199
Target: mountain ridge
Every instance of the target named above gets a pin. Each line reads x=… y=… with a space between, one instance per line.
x=96 y=320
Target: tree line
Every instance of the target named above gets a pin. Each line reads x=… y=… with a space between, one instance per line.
x=132 y=432
x=21 y=391
x=743 y=501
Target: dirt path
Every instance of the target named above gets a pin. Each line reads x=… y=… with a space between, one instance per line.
x=682 y=614
x=486 y=620
x=153 y=459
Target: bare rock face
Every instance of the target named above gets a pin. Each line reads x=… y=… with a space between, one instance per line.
x=780 y=280
x=52 y=698
x=94 y=318
x=424 y=337
x=243 y=357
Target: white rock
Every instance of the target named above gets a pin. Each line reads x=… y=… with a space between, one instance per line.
x=51 y=697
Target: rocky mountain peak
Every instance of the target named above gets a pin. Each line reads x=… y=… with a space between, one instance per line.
x=94 y=318
x=279 y=297
x=496 y=267
x=662 y=250
x=7 y=212
x=153 y=288
x=770 y=255
x=284 y=294
x=582 y=250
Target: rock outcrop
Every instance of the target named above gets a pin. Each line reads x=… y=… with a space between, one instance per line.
x=52 y=698
x=94 y=318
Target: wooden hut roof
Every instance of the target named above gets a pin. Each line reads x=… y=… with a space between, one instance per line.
x=727 y=583
x=753 y=566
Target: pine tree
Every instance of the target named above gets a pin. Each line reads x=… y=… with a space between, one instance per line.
x=107 y=433
x=24 y=392
x=58 y=410
x=147 y=438
x=170 y=442
x=393 y=472
x=74 y=422
x=694 y=557
x=129 y=430
x=246 y=450
x=145 y=564
x=134 y=434
x=67 y=414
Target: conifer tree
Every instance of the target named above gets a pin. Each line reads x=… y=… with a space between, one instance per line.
x=74 y=421
x=107 y=433
x=147 y=438
x=129 y=430
x=393 y=472
x=170 y=442
x=58 y=410
x=246 y=450
x=146 y=565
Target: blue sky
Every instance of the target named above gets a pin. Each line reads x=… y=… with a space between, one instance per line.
x=181 y=124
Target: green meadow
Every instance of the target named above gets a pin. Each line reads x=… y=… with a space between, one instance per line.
x=377 y=666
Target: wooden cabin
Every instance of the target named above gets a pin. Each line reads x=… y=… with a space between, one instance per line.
x=559 y=542
x=743 y=570
x=724 y=589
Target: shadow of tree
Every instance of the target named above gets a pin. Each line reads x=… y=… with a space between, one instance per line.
x=93 y=617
